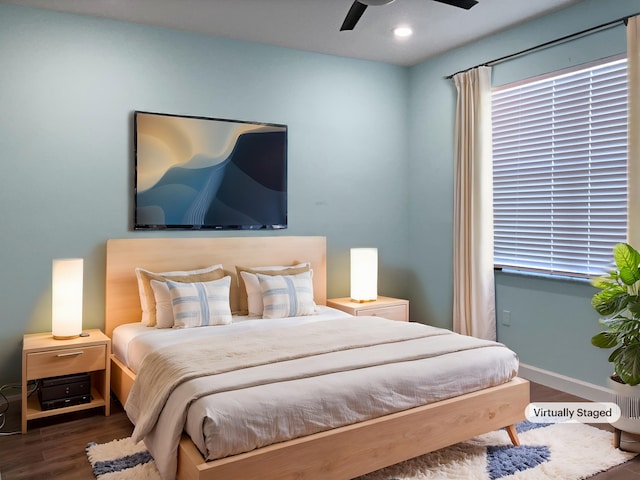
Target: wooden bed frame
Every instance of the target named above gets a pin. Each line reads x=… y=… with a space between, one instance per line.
x=341 y=453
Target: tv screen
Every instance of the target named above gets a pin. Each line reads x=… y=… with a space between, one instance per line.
x=209 y=173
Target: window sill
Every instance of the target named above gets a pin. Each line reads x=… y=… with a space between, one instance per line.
x=543 y=275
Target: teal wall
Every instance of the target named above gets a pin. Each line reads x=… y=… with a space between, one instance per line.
x=370 y=160
x=68 y=87
x=551 y=320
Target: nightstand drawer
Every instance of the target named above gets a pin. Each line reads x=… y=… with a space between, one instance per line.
x=66 y=361
x=395 y=312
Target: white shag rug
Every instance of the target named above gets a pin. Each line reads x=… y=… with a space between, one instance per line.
x=568 y=451
x=122 y=460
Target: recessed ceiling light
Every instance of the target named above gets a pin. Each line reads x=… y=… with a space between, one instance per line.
x=402 y=31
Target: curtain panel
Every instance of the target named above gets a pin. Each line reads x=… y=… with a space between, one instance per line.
x=474 y=286
x=633 y=147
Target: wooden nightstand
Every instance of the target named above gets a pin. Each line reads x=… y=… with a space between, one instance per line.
x=385 y=307
x=44 y=357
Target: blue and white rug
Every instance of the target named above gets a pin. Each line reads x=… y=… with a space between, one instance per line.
x=569 y=451
x=122 y=460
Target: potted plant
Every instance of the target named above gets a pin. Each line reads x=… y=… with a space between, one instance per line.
x=618 y=302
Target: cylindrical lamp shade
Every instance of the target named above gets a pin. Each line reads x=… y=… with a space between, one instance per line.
x=66 y=305
x=364 y=274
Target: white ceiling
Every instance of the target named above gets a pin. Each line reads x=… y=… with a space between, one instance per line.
x=314 y=25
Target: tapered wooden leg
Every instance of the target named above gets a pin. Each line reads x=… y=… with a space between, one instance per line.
x=617 y=434
x=513 y=435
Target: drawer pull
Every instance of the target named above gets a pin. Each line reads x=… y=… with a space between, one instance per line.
x=69 y=354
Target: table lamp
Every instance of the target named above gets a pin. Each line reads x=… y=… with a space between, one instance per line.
x=66 y=305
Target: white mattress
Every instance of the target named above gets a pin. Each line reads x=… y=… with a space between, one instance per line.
x=238 y=420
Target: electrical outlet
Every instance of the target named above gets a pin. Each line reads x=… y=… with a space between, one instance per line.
x=506 y=317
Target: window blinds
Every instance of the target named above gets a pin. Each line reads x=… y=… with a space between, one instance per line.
x=560 y=171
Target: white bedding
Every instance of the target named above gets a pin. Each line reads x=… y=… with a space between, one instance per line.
x=235 y=419
x=131 y=342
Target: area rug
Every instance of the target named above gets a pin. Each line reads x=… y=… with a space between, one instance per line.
x=564 y=451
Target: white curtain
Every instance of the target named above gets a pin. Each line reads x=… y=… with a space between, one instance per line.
x=474 y=287
x=633 y=65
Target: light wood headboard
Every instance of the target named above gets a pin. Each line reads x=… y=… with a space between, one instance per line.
x=122 y=302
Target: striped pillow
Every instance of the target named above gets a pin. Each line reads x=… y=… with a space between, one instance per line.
x=287 y=295
x=249 y=294
x=200 y=304
x=148 y=301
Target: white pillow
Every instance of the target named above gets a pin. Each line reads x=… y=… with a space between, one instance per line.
x=164 y=307
x=147 y=300
x=200 y=304
x=287 y=295
x=249 y=281
x=254 y=294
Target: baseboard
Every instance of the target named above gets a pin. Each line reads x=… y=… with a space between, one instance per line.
x=579 y=388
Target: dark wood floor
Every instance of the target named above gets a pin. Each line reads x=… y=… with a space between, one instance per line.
x=54 y=447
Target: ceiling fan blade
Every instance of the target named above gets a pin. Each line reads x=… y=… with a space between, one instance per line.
x=466 y=4
x=353 y=15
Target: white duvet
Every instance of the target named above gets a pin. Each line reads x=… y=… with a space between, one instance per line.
x=243 y=408
x=131 y=342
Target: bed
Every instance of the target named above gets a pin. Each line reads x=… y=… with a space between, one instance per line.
x=342 y=452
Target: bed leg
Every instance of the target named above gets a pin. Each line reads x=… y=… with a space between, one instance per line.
x=617 y=437
x=513 y=434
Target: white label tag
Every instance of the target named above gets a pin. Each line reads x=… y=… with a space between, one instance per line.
x=572 y=412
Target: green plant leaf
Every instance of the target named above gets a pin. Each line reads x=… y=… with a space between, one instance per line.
x=609 y=301
x=634 y=306
x=627 y=364
x=605 y=281
x=615 y=354
x=604 y=340
x=616 y=325
x=627 y=260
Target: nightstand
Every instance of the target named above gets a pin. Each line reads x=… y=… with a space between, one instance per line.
x=385 y=307
x=44 y=357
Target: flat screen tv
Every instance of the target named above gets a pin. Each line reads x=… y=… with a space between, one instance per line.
x=195 y=173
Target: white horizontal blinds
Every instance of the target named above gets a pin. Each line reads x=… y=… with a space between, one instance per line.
x=560 y=171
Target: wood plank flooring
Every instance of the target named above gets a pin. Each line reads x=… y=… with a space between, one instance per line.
x=54 y=447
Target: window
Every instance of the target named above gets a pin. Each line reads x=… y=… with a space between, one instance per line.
x=560 y=170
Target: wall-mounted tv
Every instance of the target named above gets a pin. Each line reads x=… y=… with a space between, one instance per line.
x=195 y=173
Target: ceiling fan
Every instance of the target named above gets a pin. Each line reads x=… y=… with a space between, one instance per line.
x=359 y=6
